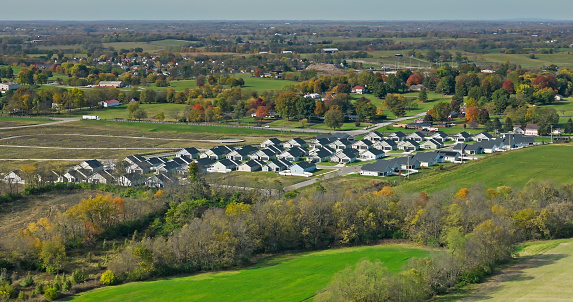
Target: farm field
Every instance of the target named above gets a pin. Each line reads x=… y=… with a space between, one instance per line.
x=513 y=168
x=291 y=277
x=153 y=46
x=546 y=276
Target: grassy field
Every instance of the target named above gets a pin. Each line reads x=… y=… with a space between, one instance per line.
x=263 y=83
x=22 y=121
x=122 y=113
x=258 y=179
x=291 y=277
x=513 y=168
x=153 y=46
x=546 y=276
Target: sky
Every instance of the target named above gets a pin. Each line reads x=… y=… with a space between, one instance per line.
x=382 y=10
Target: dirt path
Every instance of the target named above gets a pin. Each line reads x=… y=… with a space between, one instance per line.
x=544 y=277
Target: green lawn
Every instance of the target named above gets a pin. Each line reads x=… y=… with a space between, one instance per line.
x=514 y=168
x=546 y=276
x=122 y=113
x=291 y=277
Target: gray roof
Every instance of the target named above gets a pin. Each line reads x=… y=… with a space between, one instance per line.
x=304 y=165
x=380 y=165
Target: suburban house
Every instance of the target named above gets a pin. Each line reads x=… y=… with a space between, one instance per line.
x=93 y=165
x=462 y=137
x=397 y=136
x=482 y=136
x=372 y=154
x=379 y=168
x=130 y=180
x=374 y=136
x=271 y=142
x=474 y=149
x=407 y=162
x=359 y=89
x=451 y=156
x=251 y=166
x=517 y=141
x=223 y=166
x=362 y=145
x=217 y=153
x=276 y=166
x=241 y=154
x=440 y=136
x=115 y=84
x=416 y=136
x=492 y=146
x=133 y=159
x=321 y=142
x=77 y=176
x=101 y=177
x=385 y=145
x=431 y=144
x=532 y=130
x=295 y=142
x=460 y=148
x=518 y=130
x=302 y=167
x=143 y=167
x=110 y=103
x=340 y=144
x=428 y=159
x=156 y=161
x=160 y=181
x=204 y=163
x=264 y=154
x=344 y=156
x=170 y=167
x=190 y=152
x=319 y=155
x=408 y=145
x=291 y=155
x=5 y=86
x=14 y=177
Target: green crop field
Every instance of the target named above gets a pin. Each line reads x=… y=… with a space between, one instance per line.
x=292 y=277
x=514 y=168
x=546 y=276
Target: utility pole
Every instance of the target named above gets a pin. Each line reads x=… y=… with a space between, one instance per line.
x=552 y=134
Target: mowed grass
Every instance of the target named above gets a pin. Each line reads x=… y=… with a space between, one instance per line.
x=120 y=112
x=543 y=277
x=260 y=84
x=22 y=121
x=291 y=277
x=514 y=168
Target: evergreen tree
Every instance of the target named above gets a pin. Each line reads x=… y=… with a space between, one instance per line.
x=508 y=125
x=497 y=124
x=423 y=96
x=569 y=126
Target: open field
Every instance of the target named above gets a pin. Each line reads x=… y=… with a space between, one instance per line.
x=22 y=121
x=258 y=179
x=546 y=276
x=514 y=168
x=16 y=215
x=121 y=112
x=291 y=277
x=153 y=46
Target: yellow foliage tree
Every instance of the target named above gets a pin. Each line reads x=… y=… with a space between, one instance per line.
x=462 y=193
x=97 y=212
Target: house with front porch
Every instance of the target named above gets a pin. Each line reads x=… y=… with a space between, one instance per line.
x=345 y=156
x=372 y=154
x=374 y=136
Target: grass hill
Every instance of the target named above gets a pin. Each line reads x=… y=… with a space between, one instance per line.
x=513 y=168
x=291 y=277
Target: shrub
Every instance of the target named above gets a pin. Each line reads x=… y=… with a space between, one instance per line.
x=6 y=292
x=79 y=276
x=27 y=281
x=51 y=294
x=108 y=278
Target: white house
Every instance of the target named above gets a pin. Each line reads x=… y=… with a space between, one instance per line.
x=372 y=154
x=8 y=86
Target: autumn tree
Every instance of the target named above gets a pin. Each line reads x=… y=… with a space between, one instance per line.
x=334 y=118
x=472 y=114
x=97 y=213
x=440 y=111
x=285 y=104
x=396 y=103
